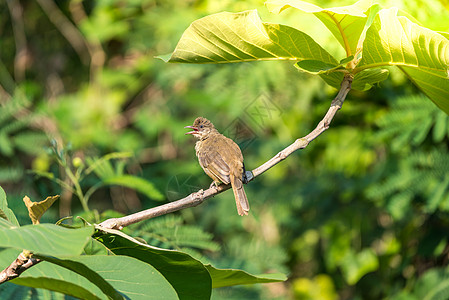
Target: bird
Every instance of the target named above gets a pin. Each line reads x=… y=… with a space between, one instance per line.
x=221 y=159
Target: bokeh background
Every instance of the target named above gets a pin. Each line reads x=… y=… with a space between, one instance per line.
x=361 y=213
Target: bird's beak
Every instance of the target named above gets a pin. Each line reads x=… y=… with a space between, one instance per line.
x=195 y=130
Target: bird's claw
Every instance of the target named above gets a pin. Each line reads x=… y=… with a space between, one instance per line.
x=213 y=185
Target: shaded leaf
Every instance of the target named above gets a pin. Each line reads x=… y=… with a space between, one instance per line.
x=5 y=212
x=46 y=239
x=37 y=209
x=86 y=270
x=52 y=277
x=187 y=275
x=230 y=277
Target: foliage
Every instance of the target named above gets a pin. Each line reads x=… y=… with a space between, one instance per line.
x=136 y=271
x=17 y=135
x=315 y=216
x=76 y=171
x=241 y=37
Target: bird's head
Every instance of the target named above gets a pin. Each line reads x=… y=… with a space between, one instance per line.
x=201 y=128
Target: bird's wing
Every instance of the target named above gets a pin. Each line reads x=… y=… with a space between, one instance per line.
x=234 y=148
x=213 y=164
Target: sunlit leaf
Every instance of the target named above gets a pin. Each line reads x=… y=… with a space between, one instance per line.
x=421 y=53
x=37 y=209
x=346 y=23
x=239 y=37
x=315 y=66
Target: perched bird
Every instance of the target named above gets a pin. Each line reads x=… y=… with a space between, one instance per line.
x=221 y=159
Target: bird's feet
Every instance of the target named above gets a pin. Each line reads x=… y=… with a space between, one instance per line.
x=214 y=184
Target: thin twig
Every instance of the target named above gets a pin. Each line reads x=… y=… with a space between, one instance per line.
x=197 y=198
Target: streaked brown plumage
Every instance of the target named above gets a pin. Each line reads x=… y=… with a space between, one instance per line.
x=221 y=159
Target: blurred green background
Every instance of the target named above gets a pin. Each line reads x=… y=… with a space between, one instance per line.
x=361 y=213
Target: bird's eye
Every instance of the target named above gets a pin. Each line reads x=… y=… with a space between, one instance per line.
x=201 y=126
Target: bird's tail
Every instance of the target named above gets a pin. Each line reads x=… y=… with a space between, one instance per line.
x=240 y=197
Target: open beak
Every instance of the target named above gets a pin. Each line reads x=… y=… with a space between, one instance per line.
x=195 y=130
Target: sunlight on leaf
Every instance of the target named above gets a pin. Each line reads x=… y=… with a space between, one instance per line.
x=346 y=23
x=421 y=53
x=239 y=37
x=37 y=209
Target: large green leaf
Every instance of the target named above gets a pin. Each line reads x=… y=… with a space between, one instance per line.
x=52 y=277
x=187 y=275
x=119 y=277
x=230 y=277
x=5 y=212
x=46 y=239
x=85 y=270
x=237 y=37
x=346 y=23
x=421 y=53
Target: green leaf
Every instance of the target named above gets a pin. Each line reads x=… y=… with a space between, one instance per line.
x=52 y=277
x=6 y=224
x=432 y=83
x=139 y=184
x=46 y=239
x=119 y=275
x=5 y=212
x=364 y=80
x=346 y=23
x=187 y=275
x=230 y=277
x=422 y=54
x=316 y=66
x=239 y=37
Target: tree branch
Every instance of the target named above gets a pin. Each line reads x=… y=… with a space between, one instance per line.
x=17 y=267
x=197 y=198
x=25 y=259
